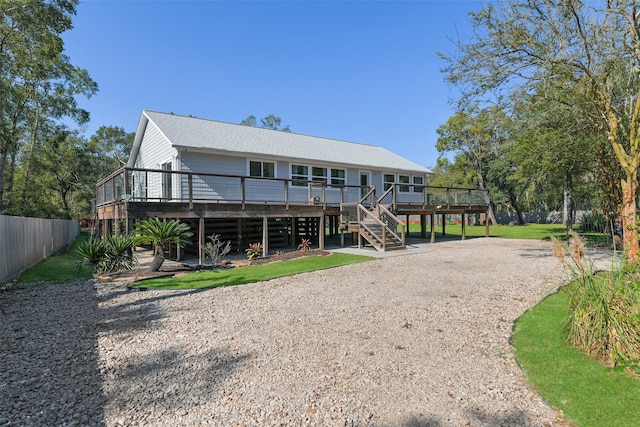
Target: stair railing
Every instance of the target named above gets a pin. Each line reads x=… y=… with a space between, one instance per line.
x=392 y=223
x=375 y=227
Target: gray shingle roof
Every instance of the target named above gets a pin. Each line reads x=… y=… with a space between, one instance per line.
x=191 y=132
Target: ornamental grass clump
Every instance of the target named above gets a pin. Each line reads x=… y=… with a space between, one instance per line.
x=603 y=308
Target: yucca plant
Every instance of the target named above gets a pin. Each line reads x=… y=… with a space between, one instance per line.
x=110 y=253
x=119 y=255
x=92 y=254
x=160 y=233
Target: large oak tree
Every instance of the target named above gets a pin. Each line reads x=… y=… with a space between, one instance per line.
x=594 y=47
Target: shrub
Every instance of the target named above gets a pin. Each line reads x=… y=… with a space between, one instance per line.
x=111 y=253
x=160 y=233
x=215 y=249
x=254 y=250
x=304 y=245
x=603 y=309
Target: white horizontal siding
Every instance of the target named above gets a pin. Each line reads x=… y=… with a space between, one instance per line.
x=155 y=149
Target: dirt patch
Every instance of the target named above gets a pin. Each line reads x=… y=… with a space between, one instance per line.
x=172 y=268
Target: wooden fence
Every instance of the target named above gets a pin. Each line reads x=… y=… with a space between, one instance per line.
x=25 y=241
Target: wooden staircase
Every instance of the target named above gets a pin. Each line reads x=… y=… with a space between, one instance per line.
x=374 y=223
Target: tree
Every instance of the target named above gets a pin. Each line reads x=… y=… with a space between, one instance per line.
x=594 y=49
x=37 y=81
x=268 y=122
x=161 y=233
x=477 y=136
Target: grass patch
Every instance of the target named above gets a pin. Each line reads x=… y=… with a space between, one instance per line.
x=529 y=231
x=588 y=392
x=257 y=273
x=61 y=268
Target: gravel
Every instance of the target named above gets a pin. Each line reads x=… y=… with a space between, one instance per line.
x=416 y=340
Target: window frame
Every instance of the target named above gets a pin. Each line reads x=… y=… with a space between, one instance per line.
x=297 y=177
x=387 y=184
x=418 y=186
x=338 y=178
x=262 y=168
x=404 y=188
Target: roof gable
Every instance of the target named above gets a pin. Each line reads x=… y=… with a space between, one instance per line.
x=221 y=137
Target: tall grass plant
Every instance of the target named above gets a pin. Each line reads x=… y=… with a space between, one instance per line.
x=603 y=308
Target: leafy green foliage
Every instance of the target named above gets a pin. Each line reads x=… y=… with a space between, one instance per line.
x=160 y=233
x=604 y=309
x=254 y=250
x=38 y=88
x=111 y=253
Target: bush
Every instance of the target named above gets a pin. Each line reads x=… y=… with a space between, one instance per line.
x=603 y=309
x=215 y=249
x=254 y=250
x=111 y=253
x=305 y=245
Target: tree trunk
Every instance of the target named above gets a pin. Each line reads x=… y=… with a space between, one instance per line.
x=568 y=213
x=516 y=207
x=158 y=258
x=491 y=216
x=630 y=230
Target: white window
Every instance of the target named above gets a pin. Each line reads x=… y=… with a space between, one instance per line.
x=404 y=179
x=299 y=173
x=262 y=169
x=418 y=181
x=338 y=176
x=389 y=180
x=319 y=174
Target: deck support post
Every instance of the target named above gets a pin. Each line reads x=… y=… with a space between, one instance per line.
x=423 y=226
x=201 y=241
x=321 y=234
x=265 y=236
x=433 y=227
x=486 y=224
x=464 y=228
x=444 y=221
x=408 y=225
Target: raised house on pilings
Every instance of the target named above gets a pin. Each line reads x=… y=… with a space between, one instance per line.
x=253 y=185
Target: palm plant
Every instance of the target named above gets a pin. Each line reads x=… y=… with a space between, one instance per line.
x=160 y=233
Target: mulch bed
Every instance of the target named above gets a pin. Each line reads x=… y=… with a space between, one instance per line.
x=171 y=269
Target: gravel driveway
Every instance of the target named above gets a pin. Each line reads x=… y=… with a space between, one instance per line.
x=416 y=340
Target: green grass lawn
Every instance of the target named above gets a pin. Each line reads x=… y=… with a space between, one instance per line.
x=236 y=276
x=529 y=231
x=61 y=268
x=589 y=393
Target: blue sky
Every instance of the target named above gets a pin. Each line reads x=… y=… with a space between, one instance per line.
x=361 y=71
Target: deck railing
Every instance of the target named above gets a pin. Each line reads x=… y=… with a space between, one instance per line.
x=427 y=196
x=156 y=185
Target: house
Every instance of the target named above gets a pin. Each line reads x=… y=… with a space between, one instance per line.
x=252 y=184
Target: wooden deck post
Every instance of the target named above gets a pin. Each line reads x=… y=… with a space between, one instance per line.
x=265 y=236
x=444 y=220
x=464 y=228
x=486 y=224
x=433 y=227
x=423 y=226
x=321 y=234
x=201 y=241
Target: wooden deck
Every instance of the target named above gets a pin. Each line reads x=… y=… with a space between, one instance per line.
x=204 y=199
